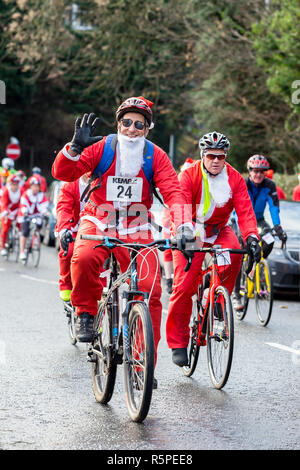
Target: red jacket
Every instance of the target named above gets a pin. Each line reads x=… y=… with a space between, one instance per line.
x=296 y=193
x=32 y=205
x=191 y=184
x=10 y=202
x=69 y=168
x=68 y=207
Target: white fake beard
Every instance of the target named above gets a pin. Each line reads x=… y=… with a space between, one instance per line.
x=219 y=188
x=131 y=154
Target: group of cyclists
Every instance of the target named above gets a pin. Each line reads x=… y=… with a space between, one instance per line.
x=21 y=200
x=109 y=186
x=108 y=190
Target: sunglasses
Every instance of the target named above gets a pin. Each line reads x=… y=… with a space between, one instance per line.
x=211 y=156
x=257 y=171
x=139 y=125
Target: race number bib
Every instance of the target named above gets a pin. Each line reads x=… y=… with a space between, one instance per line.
x=124 y=189
x=268 y=238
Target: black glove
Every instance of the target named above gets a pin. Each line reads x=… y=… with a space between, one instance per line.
x=253 y=248
x=185 y=237
x=65 y=239
x=280 y=233
x=84 y=129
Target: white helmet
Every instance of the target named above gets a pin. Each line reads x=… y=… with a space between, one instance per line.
x=8 y=163
x=214 y=140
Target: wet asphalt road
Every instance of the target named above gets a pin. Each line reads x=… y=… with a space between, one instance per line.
x=46 y=399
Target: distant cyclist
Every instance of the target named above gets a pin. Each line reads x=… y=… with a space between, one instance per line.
x=34 y=204
x=262 y=192
x=10 y=202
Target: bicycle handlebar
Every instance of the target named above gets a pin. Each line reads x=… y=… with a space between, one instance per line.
x=110 y=242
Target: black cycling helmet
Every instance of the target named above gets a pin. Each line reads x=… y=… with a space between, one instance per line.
x=213 y=140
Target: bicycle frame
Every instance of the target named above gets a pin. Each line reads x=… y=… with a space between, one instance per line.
x=127 y=301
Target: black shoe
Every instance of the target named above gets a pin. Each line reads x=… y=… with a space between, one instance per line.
x=169 y=286
x=85 y=328
x=179 y=357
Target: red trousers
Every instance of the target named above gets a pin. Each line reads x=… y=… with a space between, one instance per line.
x=5 y=225
x=185 y=286
x=65 y=282
x=87 y=264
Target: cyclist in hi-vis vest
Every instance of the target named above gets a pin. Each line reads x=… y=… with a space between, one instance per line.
x=118 y=204
x=213 y=188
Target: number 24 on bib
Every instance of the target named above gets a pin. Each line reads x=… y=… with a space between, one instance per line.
x=124 y=189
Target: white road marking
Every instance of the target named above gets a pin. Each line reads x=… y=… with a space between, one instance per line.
x=44 y=281
x=285 y=348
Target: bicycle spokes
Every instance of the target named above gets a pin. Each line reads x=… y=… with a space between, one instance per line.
x=220 y=338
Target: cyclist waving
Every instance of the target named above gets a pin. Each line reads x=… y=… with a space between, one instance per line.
x=117 y=204
x=213 y=188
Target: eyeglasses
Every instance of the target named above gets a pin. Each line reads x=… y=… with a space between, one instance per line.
x=212 y=156
x=139 y=125
x=255 y=170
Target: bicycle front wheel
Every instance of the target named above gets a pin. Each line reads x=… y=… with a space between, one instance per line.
x=240 y=314
x=103 y=367
x=264 y=294
x=220 y=336
x=193 y=347
x=139 y=366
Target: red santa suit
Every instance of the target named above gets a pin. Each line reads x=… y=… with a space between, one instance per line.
x=32 y=205
x=105 y=214
x=10 y=202
x=211 y=221
x=68 y=217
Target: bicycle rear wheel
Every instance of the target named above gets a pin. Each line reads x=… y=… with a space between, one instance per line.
x=103 y=366
x=16 y=250
x=220 y=338
x=264 y=298
x=193 y=347
x=139 y=367
x=71 y=316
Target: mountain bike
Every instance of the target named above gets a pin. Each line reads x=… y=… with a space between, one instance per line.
x=124 y=335
x=211 y=322
x=257 y=285
x=33 y=243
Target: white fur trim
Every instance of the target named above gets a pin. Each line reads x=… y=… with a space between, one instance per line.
x=66 y=153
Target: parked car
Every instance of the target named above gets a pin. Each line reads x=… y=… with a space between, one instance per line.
x=48 y=229
x=285 y=263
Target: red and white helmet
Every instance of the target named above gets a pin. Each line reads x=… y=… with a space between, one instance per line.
x=258 y=162
x=35 y=179
x=13 y=179
x=137 y=104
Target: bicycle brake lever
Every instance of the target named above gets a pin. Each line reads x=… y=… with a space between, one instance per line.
x=188 y=264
